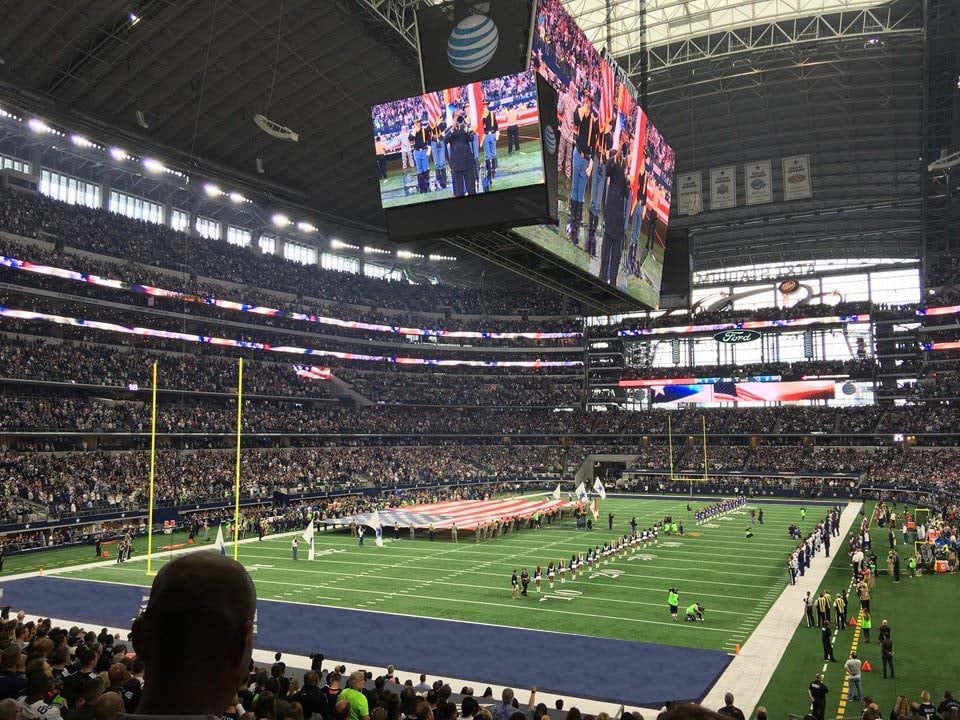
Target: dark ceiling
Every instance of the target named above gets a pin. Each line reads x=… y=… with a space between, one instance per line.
x=200 y=70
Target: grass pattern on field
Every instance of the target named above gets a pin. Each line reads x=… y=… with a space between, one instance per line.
x=735 y=578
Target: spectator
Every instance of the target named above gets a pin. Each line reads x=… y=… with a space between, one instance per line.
x=196 y=635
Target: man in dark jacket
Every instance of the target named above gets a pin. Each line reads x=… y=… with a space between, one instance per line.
x=462 y=159
x=310 y=695
x=618 y=189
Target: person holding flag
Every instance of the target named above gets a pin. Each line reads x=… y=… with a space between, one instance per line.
x=220 y=544
x=377 y=527
x=308 y=538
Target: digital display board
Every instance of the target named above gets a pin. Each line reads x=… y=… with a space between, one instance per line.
x=466 y=140
x=615 y=169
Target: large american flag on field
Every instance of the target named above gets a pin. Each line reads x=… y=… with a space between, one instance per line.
x=467 y=514
x=434 y=106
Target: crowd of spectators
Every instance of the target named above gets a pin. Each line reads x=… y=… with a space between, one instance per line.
x=107 y=233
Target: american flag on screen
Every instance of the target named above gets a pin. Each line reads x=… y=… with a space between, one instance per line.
x=475 y=119
x=637 y=149
x=433 y=106
x=312 y=372
x=607 y=98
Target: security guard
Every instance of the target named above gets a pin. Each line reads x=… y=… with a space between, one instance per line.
x=420 y=140
x=840 y=605
x=491 y=133
x=586 y=134
x=462 y=159
x=438 y=145
x=823 y=608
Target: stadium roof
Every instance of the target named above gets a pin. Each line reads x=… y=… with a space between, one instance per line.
x=617 y=24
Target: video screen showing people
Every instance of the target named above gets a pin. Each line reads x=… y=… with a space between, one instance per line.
x=615 y=168
x=476 y=138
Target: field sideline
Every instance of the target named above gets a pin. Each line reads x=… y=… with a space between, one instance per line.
x=735 y=578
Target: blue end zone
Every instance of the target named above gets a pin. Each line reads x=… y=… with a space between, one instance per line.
x=620 y=671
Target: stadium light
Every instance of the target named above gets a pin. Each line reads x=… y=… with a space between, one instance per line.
x=280 y=220
x=441 y=258
x=7 y=114
x=212 y=190
x=306 y=227
x=134 y=18
x=238 y=198
x=118 y=154
x=38 y=126
x=407 y=255
x=81 y=141
x=375 y=250
x=154 y=166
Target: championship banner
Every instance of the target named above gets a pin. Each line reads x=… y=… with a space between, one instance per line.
x=723 y=188
x=759 y=183
x=796 y=178
x=690 y=199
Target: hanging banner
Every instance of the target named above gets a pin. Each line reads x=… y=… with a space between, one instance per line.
x=690 y=199
x=758 y=187
x=796 y=177
x=723 y=188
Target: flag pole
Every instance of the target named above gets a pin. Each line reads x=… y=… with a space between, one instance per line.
x=236 y=474
x=670 y=439
x=703 y=419
x=153 y=459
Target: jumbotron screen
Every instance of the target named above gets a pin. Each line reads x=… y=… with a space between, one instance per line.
x=476 y=138
x=616 y=170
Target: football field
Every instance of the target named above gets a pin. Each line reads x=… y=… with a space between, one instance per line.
x=735 y=578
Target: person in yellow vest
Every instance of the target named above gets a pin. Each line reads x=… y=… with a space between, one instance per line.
x=381 y=149
x=840 y=605
x=865 y=625
x=823 y=608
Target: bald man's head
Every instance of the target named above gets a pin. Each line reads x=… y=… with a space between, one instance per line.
x=197 y=630
x=9 y=709
x=108 y=706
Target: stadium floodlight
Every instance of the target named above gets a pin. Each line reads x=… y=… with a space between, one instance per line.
x=441 y=258
x=118 y=154
x=212 y=190
x=81 y=141
x=39 y=126
x=134 y=18
x=237 y=198
x=407 y=255
x=280 y=220
x=306 y=227
x=276 y=130
x=375 y=250
x=154 y=166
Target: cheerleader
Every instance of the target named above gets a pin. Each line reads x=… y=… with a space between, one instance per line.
x=537 y=578
x=582 y=562
x=562 y=569
x=550 y=574
x=574 y=566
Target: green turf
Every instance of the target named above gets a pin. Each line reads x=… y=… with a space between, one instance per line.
x=922 y=615
x=517 y=170
x=735 y=578
x=65 y=557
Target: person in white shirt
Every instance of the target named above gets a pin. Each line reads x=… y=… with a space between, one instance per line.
x=36 y=705
x=854 y=680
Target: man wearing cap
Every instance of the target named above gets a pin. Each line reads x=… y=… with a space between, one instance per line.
x=586 y=137
x=438 y=146
x=420 y=141
x=491 y=133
